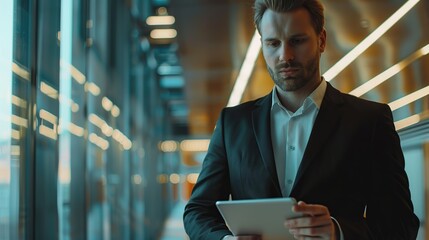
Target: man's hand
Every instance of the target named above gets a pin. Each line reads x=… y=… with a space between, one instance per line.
x=315 y=224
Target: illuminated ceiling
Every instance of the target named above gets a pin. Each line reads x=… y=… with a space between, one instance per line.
x=213 y=37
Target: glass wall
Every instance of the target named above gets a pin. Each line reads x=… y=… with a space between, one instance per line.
x=80 y=122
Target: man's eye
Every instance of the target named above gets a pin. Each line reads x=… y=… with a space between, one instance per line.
x=272 y=43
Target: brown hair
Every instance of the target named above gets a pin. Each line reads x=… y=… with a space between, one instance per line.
x=314 y=7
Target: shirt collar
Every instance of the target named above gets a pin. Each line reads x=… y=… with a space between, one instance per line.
x=315 y=97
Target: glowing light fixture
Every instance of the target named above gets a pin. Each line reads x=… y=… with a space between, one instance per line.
x=195 y=145
x=77 y=75
x=163 y=33
x=409 y=98
x=168 y=146
x=115 y=111
x=377 y=80
x=192 y=178
x=175 y=178
x=106 y=103
x=99 y=141
x=368 y=41
x=407 y=121
x=23 y=122
x=17 y=101
x=160 y=20
x=92 y=88
x=20 y=71
x=245 y=71
x=48 y=90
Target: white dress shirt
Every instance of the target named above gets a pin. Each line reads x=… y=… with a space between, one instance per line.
x=290 y=132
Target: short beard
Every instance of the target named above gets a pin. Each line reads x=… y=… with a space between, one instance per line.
x=297 y=82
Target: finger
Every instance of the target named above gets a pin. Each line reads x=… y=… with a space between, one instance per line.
x=310 y=209
x=316 y=221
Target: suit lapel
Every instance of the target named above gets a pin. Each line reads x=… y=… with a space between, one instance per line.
x=262 y=129
x=324 y=125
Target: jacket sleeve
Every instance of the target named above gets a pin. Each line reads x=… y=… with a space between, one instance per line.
x=389 y=212
x=201 y=217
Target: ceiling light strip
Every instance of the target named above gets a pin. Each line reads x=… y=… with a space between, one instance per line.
x=409 y=98
x=377 y=80
x=369 y=40
x=160 y=20
x=403 y=123
x=245 y=71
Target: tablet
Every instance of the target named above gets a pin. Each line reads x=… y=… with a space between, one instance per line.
x=263 y=217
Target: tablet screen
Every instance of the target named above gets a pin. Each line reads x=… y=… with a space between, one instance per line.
x=263 y=217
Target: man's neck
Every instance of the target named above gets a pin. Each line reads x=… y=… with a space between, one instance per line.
x=293 y=100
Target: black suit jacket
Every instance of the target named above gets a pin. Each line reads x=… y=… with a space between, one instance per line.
x=353 y=161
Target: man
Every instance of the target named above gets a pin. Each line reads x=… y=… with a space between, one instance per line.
x=338 y=155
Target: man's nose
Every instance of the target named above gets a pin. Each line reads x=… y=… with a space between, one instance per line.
x=286 y=54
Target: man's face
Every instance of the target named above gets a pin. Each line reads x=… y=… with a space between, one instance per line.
x=291 y=48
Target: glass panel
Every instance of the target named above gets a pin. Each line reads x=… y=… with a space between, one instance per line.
x=8 y=209
x=66 y=127
x=47 y=114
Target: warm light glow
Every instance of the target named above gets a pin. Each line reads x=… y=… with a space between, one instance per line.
x=192 y=178
x=15 y=134
x=368 y=41
x=19 y=121
x=48 y=90
x=75 y=107
x=175 y=178
x=48 y=116
x=245 y=71
x=77 y=75
x=127 y=144
x=96 y=120
x=76 y=130
x=92 y=88
x=99 y=141
x=48 y=132
x=377 y=80
x=122 y=139
x=101 y=124
x=106 y=103
x=407 y=122
x=195 y=145
x=107 y=130
x=160 y=20
x=115 y=111
x=20 y=71
x=168 y=146
x=19 y=102
x=163 y=33
x=409 y=98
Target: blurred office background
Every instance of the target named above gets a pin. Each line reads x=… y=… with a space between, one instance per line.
x=107 y=106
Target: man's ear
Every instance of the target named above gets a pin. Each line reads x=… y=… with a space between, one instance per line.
x=322 y=40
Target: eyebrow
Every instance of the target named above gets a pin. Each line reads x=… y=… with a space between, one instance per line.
x=298 y=35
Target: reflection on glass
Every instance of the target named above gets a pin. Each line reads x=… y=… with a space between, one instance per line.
x=66 y=103
x=8 y=190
